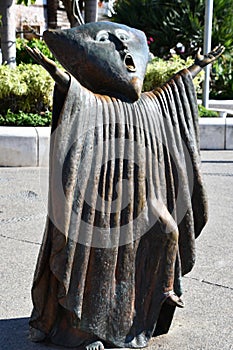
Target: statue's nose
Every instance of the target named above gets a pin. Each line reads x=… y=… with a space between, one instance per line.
x=119 y=44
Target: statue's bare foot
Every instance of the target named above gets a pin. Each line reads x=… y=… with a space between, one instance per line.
x=174 y=300
x=36 y=335
x=97 y=345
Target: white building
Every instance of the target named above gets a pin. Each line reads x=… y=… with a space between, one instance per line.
x=36 y=17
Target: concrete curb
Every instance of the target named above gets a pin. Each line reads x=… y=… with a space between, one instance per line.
x=29 y=146
x=216 y=133
x=24 y=146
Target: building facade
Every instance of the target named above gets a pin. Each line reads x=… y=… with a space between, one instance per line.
x=32 y=20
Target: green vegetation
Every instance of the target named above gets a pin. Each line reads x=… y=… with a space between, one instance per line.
x=159 y=71
x=25 y=2
x=26 y=91
x=27 y=88
x=222 y=77
x=21 y=54
x=167 y=23
x=25 y=119
x=172 y=21
x=204 y=112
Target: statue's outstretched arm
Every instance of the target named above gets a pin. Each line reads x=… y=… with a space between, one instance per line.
x=203 y=60
x=61 y=78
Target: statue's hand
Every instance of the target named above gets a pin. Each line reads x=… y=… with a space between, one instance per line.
x=40 y=58
x=61 y=78
x=204 y=60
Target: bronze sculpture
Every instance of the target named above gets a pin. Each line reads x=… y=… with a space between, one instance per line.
x=110 y=265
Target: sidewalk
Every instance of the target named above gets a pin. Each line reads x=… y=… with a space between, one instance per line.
x=206 y=321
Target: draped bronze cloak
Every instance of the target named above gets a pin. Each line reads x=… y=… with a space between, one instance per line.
x=126 y=202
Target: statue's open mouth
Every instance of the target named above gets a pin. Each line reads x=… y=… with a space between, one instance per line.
x=129 y=62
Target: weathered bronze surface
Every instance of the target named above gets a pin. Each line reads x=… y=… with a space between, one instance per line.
x=126 y=197
x=104 y=57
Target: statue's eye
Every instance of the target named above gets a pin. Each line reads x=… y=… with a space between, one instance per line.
x=122 y=35
x=102 y=36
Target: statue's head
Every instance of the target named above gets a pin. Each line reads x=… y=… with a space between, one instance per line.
x=105 y=57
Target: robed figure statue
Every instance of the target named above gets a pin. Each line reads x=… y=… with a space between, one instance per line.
x=126 y=195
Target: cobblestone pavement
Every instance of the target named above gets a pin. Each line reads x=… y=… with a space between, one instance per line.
x=205 y=322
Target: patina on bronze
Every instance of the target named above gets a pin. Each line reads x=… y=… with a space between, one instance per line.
x=126 y=196
x=103 y=57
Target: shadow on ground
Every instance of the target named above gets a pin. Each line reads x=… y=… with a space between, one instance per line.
x=15 y=336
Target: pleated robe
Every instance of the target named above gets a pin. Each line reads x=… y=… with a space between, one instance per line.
x=126 y=202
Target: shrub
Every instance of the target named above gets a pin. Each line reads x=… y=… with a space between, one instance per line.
x=204 y=112
x=21 y=54
x=222 y=78
x=167 y=23
x=159 y=71
x=173 y=21
x=25 y=119
x=27 y=88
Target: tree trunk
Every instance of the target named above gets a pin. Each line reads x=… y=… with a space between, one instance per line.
x=7 y=32
x=91 y=10
x=68 y=4
x=52 y=6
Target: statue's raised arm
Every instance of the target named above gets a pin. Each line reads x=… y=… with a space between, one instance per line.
x=203 y=60
x=61 y=78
